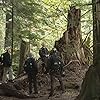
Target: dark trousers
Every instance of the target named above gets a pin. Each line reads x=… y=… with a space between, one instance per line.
x=32 y=83
x=44 y=64
x=52 y=77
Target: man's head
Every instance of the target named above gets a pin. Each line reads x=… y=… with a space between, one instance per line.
x=8 y=49
x=54 y=50
x=30 y=55
x=43 y=45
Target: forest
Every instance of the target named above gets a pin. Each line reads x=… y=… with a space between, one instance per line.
x=70 y=26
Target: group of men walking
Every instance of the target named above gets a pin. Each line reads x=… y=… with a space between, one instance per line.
x=52 y=63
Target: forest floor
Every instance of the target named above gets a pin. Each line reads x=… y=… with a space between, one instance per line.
x=70 y=94
x=72 y=81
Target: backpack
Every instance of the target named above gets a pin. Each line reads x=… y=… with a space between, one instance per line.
x=0 y=59
x=6 y=59
x=30 y=66
x=55 y=63
x=43 y=52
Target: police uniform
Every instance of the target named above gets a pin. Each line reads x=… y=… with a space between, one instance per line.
x=30 y=68
x=1 y=68
x=55 y=70
x=43 y=52
x=6 y=61
x=0 y=59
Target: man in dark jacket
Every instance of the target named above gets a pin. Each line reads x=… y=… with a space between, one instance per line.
x=6 y=63
x=1 y=69
x=44 y=53
x=31 y=70
x=55 y=69
x=0 y=60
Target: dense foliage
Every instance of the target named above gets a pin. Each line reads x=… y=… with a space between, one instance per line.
x=40 y=21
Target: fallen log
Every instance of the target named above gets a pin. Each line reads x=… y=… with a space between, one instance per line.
x=14 y=88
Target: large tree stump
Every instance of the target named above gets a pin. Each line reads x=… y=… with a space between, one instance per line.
x=70 y=47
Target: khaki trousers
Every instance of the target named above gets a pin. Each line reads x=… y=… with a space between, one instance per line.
x=7 y=74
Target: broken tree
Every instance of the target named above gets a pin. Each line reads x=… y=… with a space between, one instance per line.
x=71 y=48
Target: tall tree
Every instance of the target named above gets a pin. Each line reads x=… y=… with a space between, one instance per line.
x=91 y=84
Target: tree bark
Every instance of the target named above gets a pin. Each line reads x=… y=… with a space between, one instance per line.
x=70 y=45
x=91 y=84
x=8 y=29
x=71 y=49
x=24 y=50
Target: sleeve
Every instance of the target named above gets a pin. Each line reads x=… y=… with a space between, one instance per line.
x=2 y=58
x=40 y=52
x=50 y=63
x=62 y=66
x=35 y=65
x=10 y=60
x=47 y=52
x=25 y=66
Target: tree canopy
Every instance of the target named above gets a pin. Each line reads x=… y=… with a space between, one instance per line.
x=40 y=21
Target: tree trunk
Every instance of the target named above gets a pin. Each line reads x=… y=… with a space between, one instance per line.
x=71 y=42
x=9 y=24
x=12 y=33
x=8 y=29
x=91 y=83
x=96 y=35
x=24 y=50
x=70 y=47
x=90 y=86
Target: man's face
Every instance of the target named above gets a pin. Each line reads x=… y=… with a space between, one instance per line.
x=43 y=45
x=8 y=50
